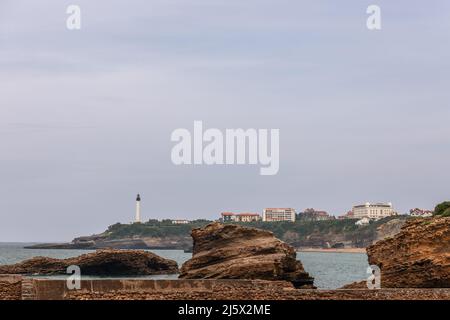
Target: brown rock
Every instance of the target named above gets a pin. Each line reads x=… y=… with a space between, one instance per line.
x=10 y=287
x=101 y=262
x=417 y=257
x=224 y=251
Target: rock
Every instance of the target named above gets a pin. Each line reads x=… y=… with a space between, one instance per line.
x=389 y=229
x=417 y=257
x=225 y=251
x=101 y=262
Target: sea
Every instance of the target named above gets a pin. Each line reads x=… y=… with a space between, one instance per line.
x=331 y=270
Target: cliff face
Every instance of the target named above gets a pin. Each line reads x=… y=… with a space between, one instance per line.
x=417 y=257
x=236 y=252
x=348 y=235
x=102 y=262
x=301 y=234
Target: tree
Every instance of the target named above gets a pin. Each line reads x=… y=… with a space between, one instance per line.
x=446 y=213
x=442 y=209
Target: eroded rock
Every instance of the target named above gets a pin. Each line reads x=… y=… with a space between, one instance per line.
x=417 y=257
x=101 y=262
x=225 y=251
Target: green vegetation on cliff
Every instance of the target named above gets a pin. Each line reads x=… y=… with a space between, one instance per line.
x=300 y=233
x=442 y=209
x=152 y=228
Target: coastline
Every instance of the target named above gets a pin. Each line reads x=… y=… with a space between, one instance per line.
x=332 y=250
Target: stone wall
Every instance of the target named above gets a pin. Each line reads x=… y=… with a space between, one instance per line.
x=46 y=289
x=205 y=290
x=10 y=287
x=16 y=288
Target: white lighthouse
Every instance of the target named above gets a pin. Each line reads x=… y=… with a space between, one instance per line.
x=138 y=209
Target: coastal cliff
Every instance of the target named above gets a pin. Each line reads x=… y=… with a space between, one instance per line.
x=417 y=257
x=299 y=234
x=225 y=251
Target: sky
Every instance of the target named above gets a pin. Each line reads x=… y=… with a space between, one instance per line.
x=86 y=115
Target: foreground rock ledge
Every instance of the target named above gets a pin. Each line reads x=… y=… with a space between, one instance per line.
x=417 y=257
x=101 y=263
x=224 y=251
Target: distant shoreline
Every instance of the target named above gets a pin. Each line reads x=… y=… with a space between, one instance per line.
x=340 y=250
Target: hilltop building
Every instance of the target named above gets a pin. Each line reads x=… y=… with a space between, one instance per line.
x=227 y=216
x=180 y=221
x=420 y=213
x=279 y=214
x=311 y=214
x=240 y=217
x=348 y=215
x=373 y=211
x=247 y=217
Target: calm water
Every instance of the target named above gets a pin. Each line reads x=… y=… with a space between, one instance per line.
x=330 y=270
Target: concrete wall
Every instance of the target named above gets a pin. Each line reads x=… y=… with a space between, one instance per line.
x=46 y=289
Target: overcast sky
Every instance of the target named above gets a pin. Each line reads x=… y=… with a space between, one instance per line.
x=86 y=116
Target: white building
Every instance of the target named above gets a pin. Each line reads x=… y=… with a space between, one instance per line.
x=180 y=221
x=373 y=210
x=279 y=214
x=420 y=213
x=240 y=217
x=228 y=216
x=363 y=222
x=248 y=217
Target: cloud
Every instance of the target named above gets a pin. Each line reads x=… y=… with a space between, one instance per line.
x=86 y=116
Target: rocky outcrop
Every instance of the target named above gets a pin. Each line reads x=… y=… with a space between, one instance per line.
x=417 y=257
x=101 y=262
x=100 y=242
x=224 y=251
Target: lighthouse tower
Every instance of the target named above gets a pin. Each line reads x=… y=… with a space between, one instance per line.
x=138 y=209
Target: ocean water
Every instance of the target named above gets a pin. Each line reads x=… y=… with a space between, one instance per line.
x=330 y=270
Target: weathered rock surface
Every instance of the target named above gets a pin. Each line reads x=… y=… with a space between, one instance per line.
x=224 y=251
x=94 y=242
x=417 y=257
x=101 y=262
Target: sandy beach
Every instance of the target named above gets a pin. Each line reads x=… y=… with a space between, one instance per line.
x=341 y=250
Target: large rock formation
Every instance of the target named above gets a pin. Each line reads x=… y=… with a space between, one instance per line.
x=417 y=257
x=224 y=251
x=101 y=262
